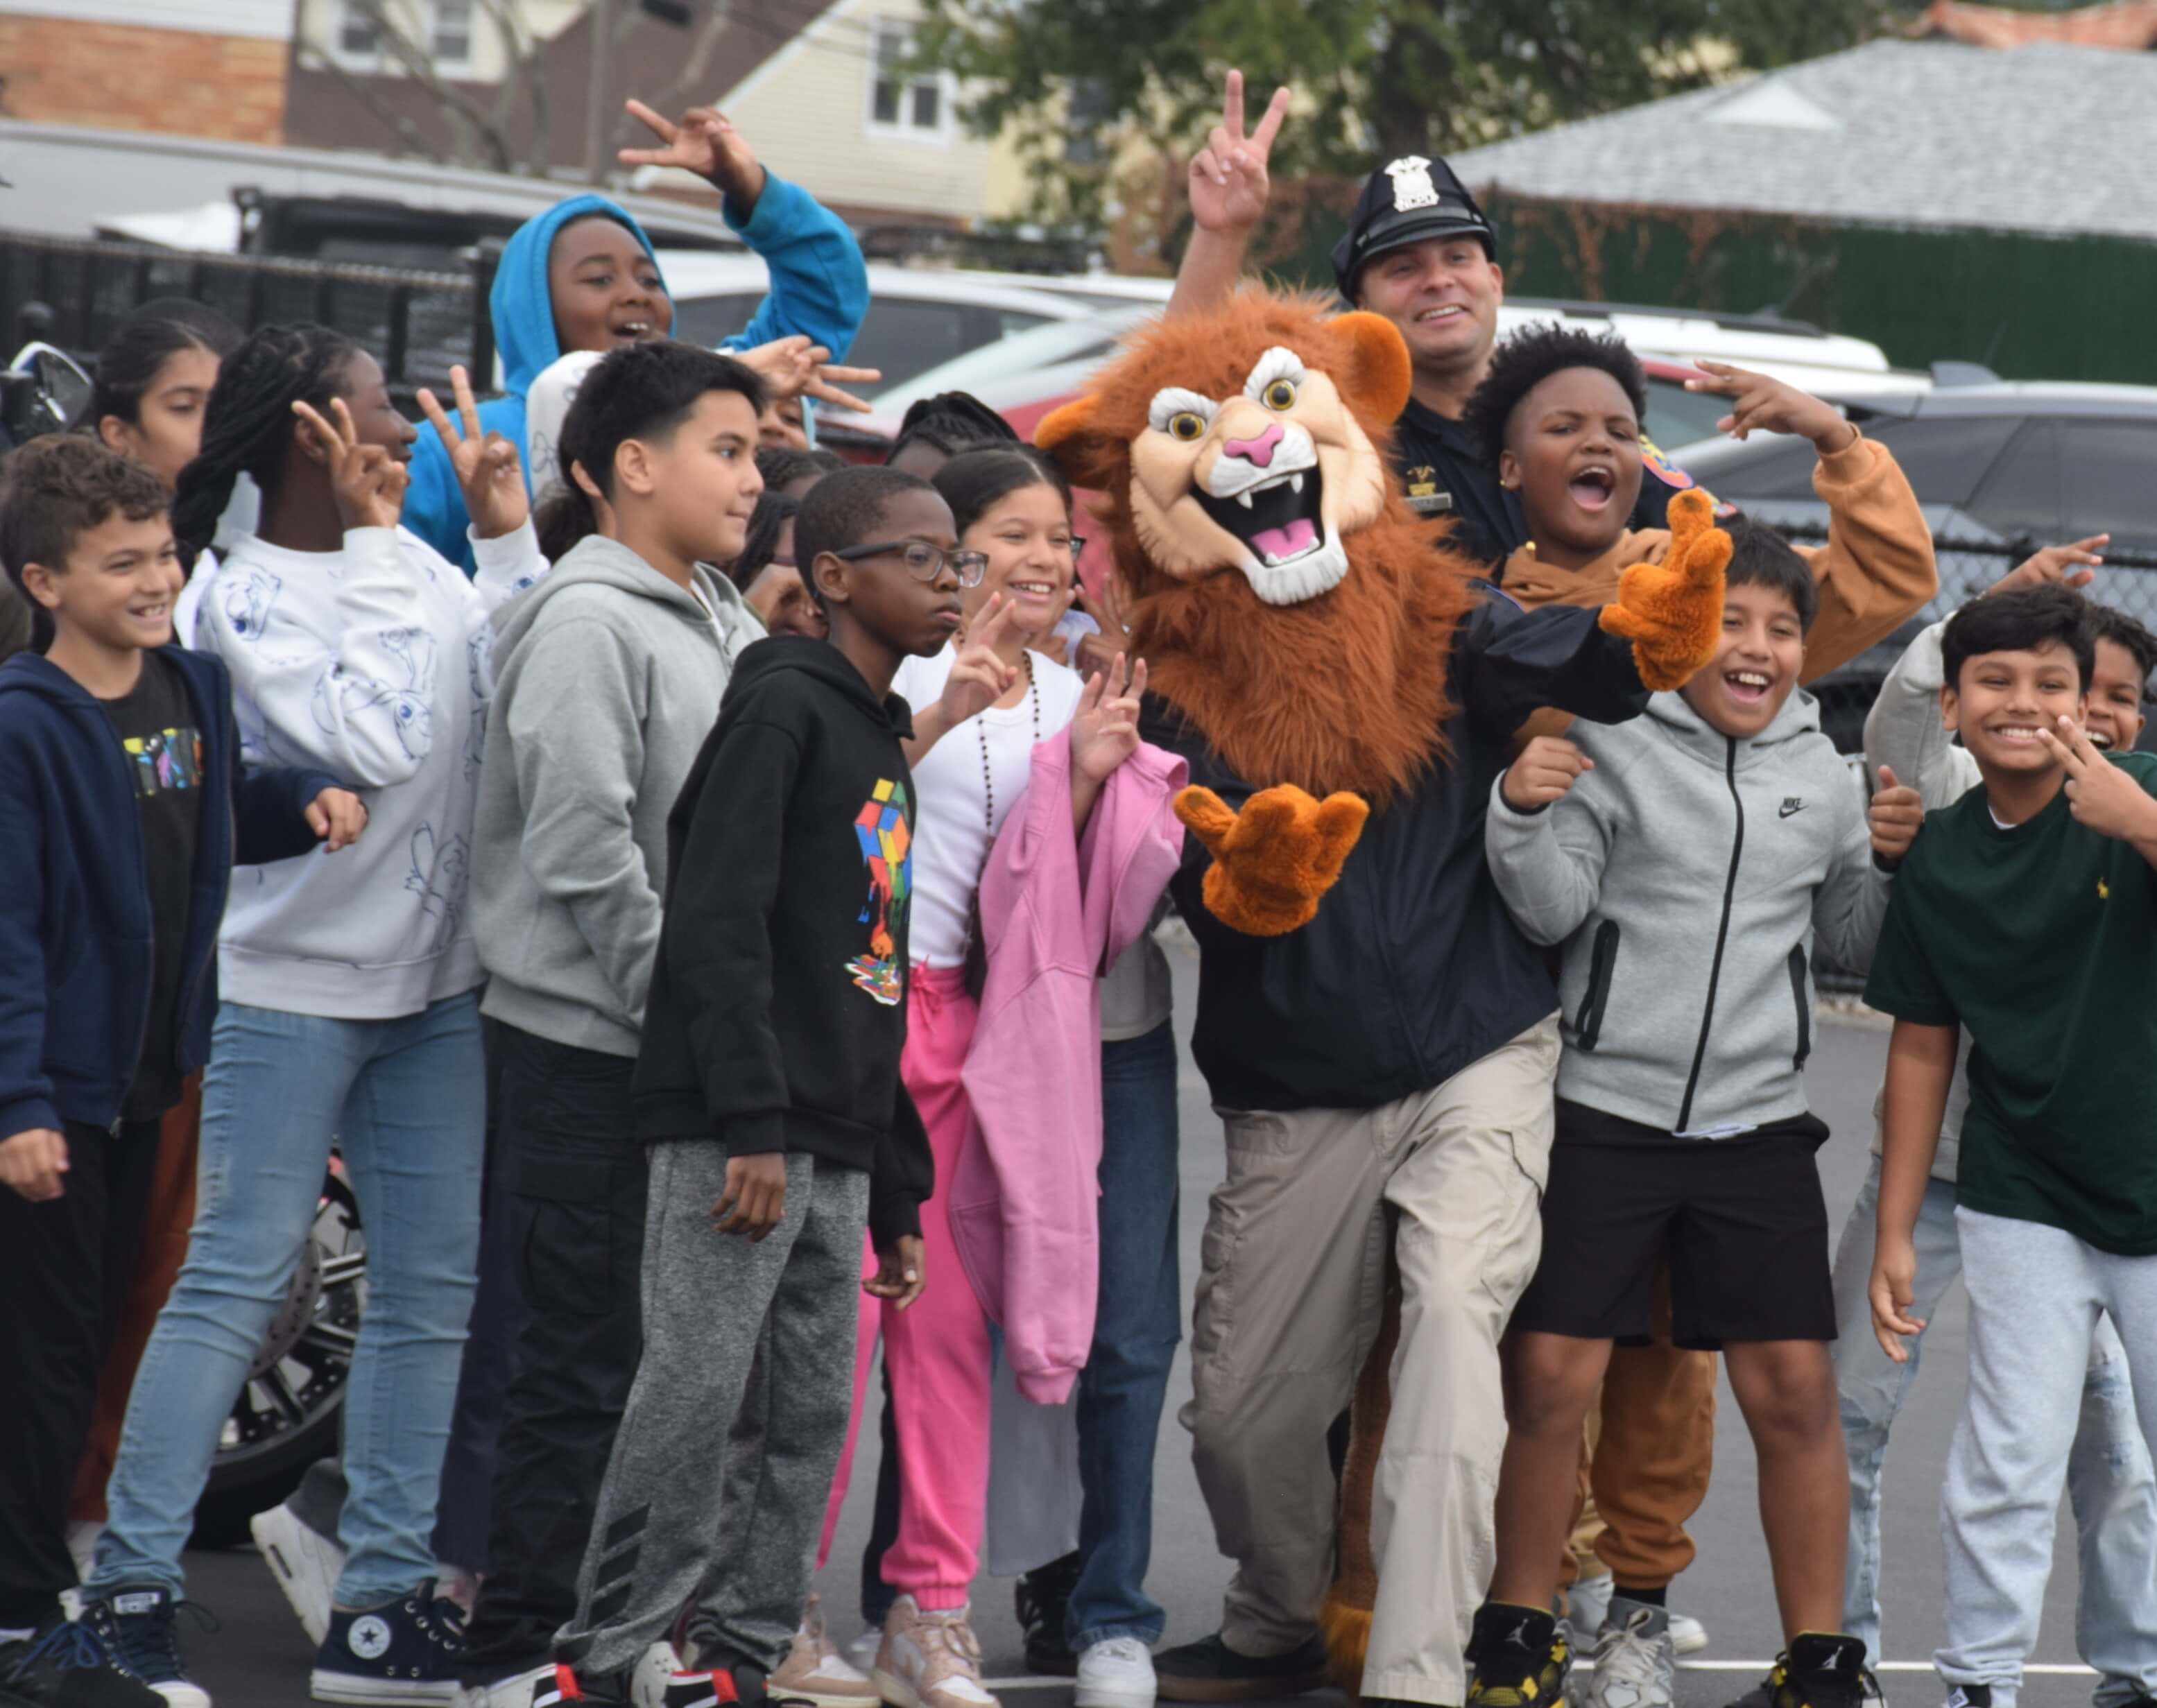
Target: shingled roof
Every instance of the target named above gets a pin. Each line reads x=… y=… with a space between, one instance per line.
x=2041 y=138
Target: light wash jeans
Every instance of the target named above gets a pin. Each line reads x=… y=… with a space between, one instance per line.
x=405 y=1099
x=2109 y=1480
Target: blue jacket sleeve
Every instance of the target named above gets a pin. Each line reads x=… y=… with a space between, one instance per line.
x=434 y=502
x=26 y=1092
x=1509 y=662
x=269 y=812
x=819 y=283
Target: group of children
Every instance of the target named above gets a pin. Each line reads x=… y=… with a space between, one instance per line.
x=634 y=927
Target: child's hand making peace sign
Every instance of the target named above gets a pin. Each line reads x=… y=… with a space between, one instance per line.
x=368 y=482
x=487 y=465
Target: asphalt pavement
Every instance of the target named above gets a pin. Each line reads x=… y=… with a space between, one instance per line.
x=259 y=1659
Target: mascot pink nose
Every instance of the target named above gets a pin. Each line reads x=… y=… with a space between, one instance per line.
x=1259 y=450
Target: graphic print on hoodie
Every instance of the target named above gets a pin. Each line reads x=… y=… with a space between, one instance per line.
x=888 y=852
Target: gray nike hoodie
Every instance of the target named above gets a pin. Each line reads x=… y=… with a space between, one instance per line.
x=1686 y=876
x=608 y=677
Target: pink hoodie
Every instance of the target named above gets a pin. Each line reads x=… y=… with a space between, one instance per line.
x=1056 y=911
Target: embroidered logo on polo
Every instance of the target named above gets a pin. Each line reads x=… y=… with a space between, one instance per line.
x=886 y=847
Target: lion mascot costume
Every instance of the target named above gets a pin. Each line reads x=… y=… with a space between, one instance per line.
x=1380 y=1039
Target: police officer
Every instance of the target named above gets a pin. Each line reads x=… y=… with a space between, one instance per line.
x=1420 y=251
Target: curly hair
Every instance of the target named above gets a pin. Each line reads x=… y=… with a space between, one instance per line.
x=57 y=488
x=846 y=509
x=2109 y=623
x=1531 y=356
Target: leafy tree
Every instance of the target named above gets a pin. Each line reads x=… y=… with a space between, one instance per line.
x=1374 y=78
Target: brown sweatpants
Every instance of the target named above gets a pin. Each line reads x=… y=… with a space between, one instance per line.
x=1644 y=1471
x=164 y=1247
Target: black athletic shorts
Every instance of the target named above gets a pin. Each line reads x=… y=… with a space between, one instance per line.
x=1741 y=1219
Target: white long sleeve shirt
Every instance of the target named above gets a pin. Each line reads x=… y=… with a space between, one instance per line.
x=371 y=663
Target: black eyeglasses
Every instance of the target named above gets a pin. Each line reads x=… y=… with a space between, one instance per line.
x=924 y=562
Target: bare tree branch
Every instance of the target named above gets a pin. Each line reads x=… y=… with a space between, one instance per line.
x=392 y=40
x=409 y=134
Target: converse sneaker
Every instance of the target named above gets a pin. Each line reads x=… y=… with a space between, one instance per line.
x=1040 y=1599
x=1116 y=1672
x=814 y=1671
x=402 y=1651
x=306 y=1563
x=138 y=1625
x=1635 y=1666
x=67 y=1666
x=929 y=1659
x=1518 y=1658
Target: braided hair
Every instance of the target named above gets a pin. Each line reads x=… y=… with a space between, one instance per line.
x=952 y=422
x=247 y=425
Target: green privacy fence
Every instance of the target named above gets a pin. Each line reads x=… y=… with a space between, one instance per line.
x=2031 y=307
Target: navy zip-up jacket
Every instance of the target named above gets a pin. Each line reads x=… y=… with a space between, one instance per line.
x=76 y=943
x=1412 y=968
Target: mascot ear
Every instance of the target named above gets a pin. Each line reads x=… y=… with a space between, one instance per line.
x=1375 y=382
x=1089 y=456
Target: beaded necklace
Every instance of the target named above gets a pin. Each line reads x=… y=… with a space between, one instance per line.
x=981 y=735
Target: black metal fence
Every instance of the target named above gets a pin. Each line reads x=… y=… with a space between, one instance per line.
x=74 y=292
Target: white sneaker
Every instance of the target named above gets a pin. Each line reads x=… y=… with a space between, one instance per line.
x=929 y=1659
x=1115 y=1672
x=306 y=1563
x=1633 y=1666
x=1586 y=1603
x=814 y=1671
x=1688 y=1636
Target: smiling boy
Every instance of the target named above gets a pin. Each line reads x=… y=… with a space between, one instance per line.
x=1685 y=861
x=2056 y=1188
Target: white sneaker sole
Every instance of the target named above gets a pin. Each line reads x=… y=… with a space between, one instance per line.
x=1688 y=1636
x=865 y=1695
x=511 y=1692
x=387 y=1693
x=184 y=1696
x=896 y=1691
x=306 y=1566
x=1110 y=1696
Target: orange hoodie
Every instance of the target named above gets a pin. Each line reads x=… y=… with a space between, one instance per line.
x=1875 y=570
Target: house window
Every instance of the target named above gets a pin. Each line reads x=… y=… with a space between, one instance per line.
x=445 y=26
x=916 y=105
x=452 y=39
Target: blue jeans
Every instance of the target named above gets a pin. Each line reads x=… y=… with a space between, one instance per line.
x=404 y=1099
x=2110 y=1484
x=1124 y=1384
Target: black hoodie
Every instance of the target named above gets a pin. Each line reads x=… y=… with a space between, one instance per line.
x=778 y=1004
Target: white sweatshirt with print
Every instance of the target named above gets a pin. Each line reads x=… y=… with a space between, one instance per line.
x=371 y=663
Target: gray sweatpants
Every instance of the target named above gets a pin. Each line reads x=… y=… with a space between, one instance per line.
x=672 y=1504
x=2035 y=1294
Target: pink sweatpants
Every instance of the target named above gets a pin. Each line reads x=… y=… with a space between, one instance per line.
x=938 y=1349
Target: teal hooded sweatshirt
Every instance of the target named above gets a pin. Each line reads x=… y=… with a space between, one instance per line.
x=819 y=286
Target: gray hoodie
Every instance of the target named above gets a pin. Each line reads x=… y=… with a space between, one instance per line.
x=607 y=680
x=1686 y=876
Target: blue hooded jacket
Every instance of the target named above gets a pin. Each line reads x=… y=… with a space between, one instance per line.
x=77 y=942
x=819 y=286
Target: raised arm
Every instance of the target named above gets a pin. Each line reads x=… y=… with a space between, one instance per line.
x=1229 y=190
x=1547 y=840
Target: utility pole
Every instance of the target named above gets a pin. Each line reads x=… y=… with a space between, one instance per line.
x=597 y=91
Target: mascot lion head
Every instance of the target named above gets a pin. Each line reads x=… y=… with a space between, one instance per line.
x=1287 y=601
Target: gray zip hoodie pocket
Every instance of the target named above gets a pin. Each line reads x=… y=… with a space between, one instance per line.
x=1603 y=959
x=1801 y=992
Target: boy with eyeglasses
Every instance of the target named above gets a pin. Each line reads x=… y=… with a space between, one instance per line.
x=768 y=1090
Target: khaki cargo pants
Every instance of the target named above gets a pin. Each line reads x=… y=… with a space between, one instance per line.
x=1288 y=1302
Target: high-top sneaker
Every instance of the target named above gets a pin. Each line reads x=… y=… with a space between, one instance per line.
x=402 y=1652
x=1518 y=1658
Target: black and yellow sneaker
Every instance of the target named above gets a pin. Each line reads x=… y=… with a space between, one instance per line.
x=1820 y=1670
x=1518 y=1658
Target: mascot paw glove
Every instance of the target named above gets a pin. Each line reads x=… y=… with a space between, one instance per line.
x=1673 y=611
x=1274 y=859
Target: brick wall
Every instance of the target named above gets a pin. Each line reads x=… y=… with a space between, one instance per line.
x=124 y=77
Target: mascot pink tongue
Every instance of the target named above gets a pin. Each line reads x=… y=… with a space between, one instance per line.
x=1346 y=693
